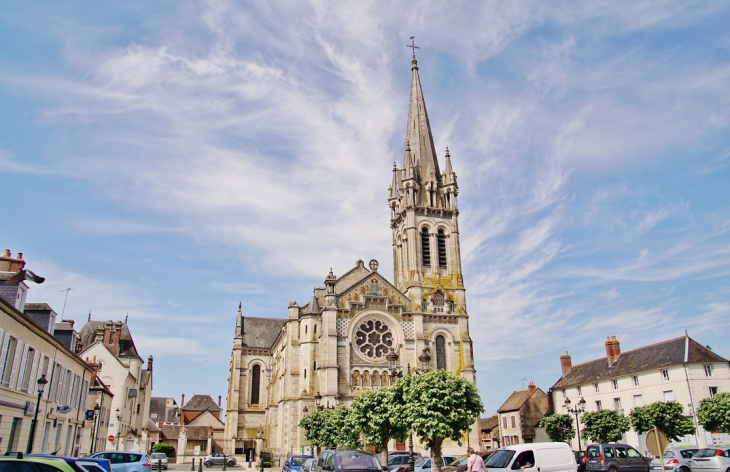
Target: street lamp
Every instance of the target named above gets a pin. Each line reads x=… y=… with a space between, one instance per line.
x=318 y=401
x=576 y=410
x=31 y=437
x=425 y=360
x=95 y=429
x=392 y=359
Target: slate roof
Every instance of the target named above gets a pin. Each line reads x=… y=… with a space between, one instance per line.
x=126 y=343
x=515 y=401
x=195 y=433
x=164 y=414
x=261 y=332
x=151 y=426
x=655 y=356
x=201 y=402
x=38 y=307
x=490 y=423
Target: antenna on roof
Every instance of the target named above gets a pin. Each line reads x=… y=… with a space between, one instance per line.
x=523 y=379
x=64 y=301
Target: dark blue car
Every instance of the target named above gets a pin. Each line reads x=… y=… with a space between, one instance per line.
x=294 y=463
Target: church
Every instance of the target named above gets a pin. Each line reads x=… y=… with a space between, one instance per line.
x=326 y=352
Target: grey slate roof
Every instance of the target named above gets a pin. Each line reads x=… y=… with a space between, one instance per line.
x=261 y=332
x=38 y=307
x=201 y=402
x=195 y=433
x=164 y=414
x=490 y=423
x=126 y=343
x=655 y=356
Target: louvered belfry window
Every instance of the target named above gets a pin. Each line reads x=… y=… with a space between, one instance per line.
x=442 y=249
x=440 y=352
x=425 y=248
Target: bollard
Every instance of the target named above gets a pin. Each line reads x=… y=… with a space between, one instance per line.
x=159 y=465
x=224 y=461
x=192 y=467
x=262 y=464
x=200 y=465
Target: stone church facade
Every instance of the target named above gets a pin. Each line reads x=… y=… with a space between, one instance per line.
x=336 y=344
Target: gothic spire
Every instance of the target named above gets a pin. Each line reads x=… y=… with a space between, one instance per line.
x=418 y=134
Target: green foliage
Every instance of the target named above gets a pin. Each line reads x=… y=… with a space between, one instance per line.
x=667 y=416
x=559 y=428
x=373 y=414
x=437 y=406
x=330 y=428
x=604 y=426
x=267 y=464
x=168 y=449
x=714 y=413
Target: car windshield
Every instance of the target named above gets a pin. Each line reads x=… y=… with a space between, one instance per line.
x=420 y=460
x=706 y=453
x=298 y=461
x=158 y=455
x=356 y=460
x=500 y=459
x=461 y=460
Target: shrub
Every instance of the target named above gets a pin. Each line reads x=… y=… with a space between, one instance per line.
x=168 y=449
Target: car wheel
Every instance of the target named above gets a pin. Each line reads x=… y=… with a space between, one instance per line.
x=613 y=469
x=230 y=463
x=209 y=464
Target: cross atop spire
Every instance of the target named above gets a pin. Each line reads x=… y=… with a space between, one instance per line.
x=413 y=46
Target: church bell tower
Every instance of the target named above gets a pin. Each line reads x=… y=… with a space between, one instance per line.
x=424 y=218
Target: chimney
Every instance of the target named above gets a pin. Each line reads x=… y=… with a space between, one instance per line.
x=10 y=264
x=531 y=388
x=149 y=364
x=182 y=414
x=613 y=350
x=219 y=400
x=565 y=362
x=99 y=334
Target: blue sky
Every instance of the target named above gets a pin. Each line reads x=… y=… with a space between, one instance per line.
x=169 y=160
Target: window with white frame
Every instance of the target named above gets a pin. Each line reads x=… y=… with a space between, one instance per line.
x=708 y=370
x=665 y=375
x=638 y=400
x=595 y=387
x=598 y=405
x=635 y=378
x=668 y=396
x=563 y=393
x=9 y=348
x=617 y=404
x=713 y=391
x=615 y=384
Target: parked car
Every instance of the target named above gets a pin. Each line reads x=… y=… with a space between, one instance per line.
x=581 y=459
x=675 y=458
x=399 y=459
x=615 y=458
x=459 y=465
x=294 y=463
x=217 y=458
x=533 y=457
x=711 y=459
x=423 y=464
x=159 y=459
x=348 y=461
x=80 y=464
x=309 y=465
x=126 y=461
x=40 y=462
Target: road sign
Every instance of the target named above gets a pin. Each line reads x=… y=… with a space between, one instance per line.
x=111 y=437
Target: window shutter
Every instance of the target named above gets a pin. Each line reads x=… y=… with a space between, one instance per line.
x=19 y=348
x=34 y=372
x=21 y=368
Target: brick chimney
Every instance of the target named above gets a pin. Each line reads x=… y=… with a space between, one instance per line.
x=565 y=362
x=182 y=405
x=219 y=400
x=10 y=264
x=531 y=388
x=112 y=333
x=613 y=350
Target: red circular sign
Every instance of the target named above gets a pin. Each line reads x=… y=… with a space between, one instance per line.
x=111 y=437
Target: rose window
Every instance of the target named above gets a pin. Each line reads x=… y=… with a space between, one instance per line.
x=374 y=338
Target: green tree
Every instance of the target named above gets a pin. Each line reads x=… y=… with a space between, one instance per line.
x=604 y=426
x=168 y=449
x=330 y=428
x=559 y=428
x=714 y=413
x=314 y=425
x=437 y=406
x=667 y=416
x=373 y=414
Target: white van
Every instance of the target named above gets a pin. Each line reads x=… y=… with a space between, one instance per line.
x=533 y=457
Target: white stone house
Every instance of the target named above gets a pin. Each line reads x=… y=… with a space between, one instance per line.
x=111 y=347
x=679 y=369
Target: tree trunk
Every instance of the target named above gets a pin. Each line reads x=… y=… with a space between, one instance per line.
x=384 y=455
x=436 y=455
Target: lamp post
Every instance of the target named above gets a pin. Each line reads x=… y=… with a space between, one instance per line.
x=95 y=429
x=318 y=401
x=425 y=360
x=31 y=437
x=576 y=410
x=392 y=358
x=119 y=425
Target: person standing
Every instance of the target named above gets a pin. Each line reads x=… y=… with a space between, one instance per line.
x=475 y=462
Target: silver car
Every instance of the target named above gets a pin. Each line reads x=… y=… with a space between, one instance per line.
x=676 y=458
x=424 y=463
x=712 y=459
x=159 y=459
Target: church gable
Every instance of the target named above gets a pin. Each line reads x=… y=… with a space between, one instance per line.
x=351 y=277
x=373 y=291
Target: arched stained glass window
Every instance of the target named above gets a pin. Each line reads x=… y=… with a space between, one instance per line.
x=440 y=352
x=255 y=384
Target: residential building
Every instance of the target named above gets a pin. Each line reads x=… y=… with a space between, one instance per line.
x=121 y=369
x=98 y=413
x=164 y=411
x=336 y=344
x=520 y=413
x=679 y=369
x=489 y=429
x=29 y=352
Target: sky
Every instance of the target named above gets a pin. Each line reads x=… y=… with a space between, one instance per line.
x=168 y=160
